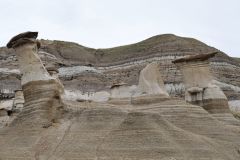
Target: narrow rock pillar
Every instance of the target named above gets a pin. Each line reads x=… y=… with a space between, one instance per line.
x=42 y=92
x=150 y=87
x=199 y=86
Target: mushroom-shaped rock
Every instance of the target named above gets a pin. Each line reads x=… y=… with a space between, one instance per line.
x=42 y=92
x=198 y=81
x=22 y=38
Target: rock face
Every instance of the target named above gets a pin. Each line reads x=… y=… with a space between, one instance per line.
x=42 y=92
x=150 y=84
x=18 y=100
x=5 y=108
x=150 y=81
x=235 y=108
x=122 y=90
x=30 y=64
x=143 y=123
x=91 y=70
x=199 y=87
x=170 y=129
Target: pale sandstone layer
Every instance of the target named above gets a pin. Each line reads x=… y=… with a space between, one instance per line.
x=151 y=82
x=199 y=83
x=152 y=125
x=200 y=87
x=91 y=70
x=41 y=91
x=168 y=129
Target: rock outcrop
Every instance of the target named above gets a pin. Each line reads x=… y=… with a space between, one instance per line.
x=200 y=88
x=92 y=70
x=170 y=129
x=18 y=101
x=198 y=82
x=151 y=82
x=6 y=108
x=150 y=124
x=235 y=108
x=42 y=92
x=122 y=90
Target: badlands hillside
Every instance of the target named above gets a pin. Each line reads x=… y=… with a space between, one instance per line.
x=83 y=69
x=167 y=98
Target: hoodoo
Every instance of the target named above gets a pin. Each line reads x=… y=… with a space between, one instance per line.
x=199 y=83
x=135 y=119
x=42 y=92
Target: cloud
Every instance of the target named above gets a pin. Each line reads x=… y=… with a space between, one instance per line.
x=109 y=23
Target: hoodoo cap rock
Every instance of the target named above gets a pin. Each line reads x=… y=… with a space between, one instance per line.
x=198 y=57
x=23 y=38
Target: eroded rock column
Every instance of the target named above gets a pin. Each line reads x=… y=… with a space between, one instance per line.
x=199 y=83
x=150 y=81
x=150 y=87
x=42 y=92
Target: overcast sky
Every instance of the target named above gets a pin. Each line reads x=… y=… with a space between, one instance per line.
x=109 y=23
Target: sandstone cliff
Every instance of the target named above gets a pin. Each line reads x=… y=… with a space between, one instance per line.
x=98 y=118
x=91 y=70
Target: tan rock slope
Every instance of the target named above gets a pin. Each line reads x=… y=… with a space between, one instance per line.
x=133 y=119
x=169 y=129
x=91 y=70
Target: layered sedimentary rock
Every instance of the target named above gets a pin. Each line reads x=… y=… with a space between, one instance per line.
x=6 y=107
x=10 y=81
x=122 y=90
x=170 y=129
x=151 y=82
x=154 y=126
x=42 y=92
x=201 y=88
x=235 y=108
x=4 y=118
x=18 y=100
x=198 y=81
x=52 y=70
x=150 y=86
x=92 y=70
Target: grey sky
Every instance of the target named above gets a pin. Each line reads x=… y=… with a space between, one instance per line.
x=109 y=23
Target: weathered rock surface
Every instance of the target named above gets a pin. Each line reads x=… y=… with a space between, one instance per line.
x=86 y=124
x=18 y=101
x=169 y=129
x=42 y=92
x=198 y=81
x=91 y=70
x=150 y=81
x=5 y=108
x=235 y=108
